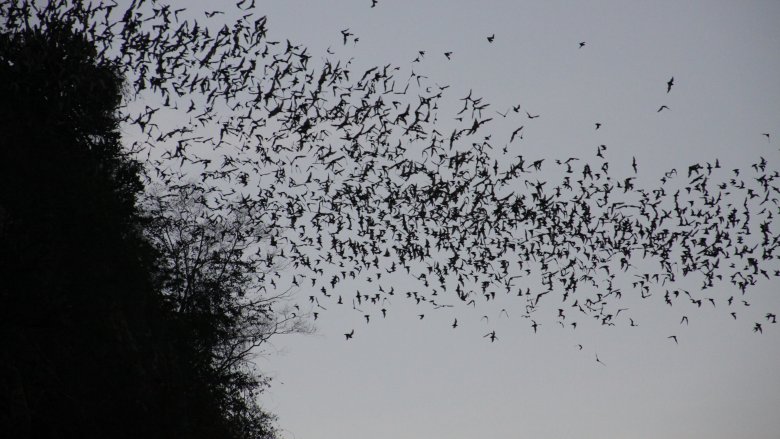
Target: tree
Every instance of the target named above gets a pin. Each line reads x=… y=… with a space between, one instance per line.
x=90 y=346
x=213 y=269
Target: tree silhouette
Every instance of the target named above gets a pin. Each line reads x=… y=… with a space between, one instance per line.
x=90 y=344
x=213 y=270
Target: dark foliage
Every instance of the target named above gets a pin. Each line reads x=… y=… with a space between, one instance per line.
x=89 y=344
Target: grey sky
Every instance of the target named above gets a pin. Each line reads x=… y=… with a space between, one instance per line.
x=402 y=377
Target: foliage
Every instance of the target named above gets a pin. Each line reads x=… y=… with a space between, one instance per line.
x=212 y=268
x=90 y=343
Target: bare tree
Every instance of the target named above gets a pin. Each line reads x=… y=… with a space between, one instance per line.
x=216 y=268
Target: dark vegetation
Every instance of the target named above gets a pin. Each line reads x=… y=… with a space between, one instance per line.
x=92 y=342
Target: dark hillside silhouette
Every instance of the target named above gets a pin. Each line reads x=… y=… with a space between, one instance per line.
x=89 y=345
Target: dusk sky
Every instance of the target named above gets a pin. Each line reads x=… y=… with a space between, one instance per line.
x=403 y=377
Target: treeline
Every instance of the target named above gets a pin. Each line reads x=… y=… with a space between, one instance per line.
x=92 y=343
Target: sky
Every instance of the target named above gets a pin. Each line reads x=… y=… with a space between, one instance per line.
x=403 y=377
